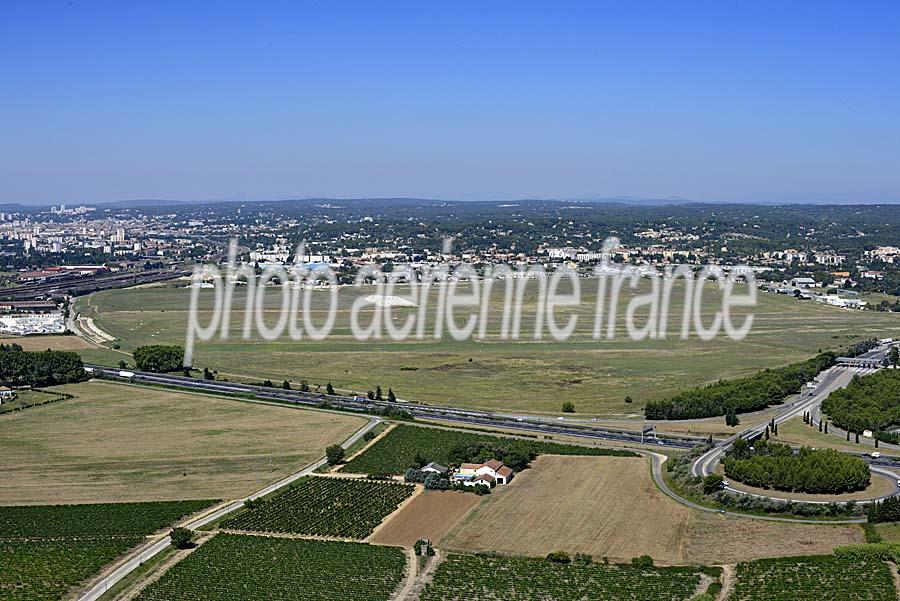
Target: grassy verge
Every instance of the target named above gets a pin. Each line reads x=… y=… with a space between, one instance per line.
x=137 y=575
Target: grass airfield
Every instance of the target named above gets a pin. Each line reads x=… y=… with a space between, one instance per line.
x=492 y=373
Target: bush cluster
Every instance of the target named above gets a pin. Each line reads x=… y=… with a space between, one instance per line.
x=774 y=465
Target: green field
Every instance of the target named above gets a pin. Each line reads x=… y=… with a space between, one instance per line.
x=46 y=550
x=595 y=375
x=325 y=506
x=99 y=519
x=38 y=570
x=238 y=568
x=397 y=450
x=814 y=579
x=464 y=577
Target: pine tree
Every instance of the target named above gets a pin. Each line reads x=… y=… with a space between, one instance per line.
x=826 y=427
x=731 y=418
x=767 y=433
x=391 y=397
x=329 y=389
x=378 y=396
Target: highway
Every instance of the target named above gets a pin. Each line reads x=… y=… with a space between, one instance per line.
x=827 y=382
x=417 y=410
x=657 y=460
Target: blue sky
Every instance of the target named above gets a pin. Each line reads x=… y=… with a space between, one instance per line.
x=720 y=101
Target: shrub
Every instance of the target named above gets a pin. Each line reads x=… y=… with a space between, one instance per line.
x=335 y=454
x=642 y=562
x=558 y=557
x=712 y=483
x=181 y=537
x=435 y=481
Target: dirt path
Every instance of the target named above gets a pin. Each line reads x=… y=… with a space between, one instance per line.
x=424 y=577
x=705 y=581
x=728 y=573
x=412 y=572
x=896 y=576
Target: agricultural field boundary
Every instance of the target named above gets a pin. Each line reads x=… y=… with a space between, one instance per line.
x=134 y=562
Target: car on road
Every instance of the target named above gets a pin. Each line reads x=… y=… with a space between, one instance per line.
x=876 y=455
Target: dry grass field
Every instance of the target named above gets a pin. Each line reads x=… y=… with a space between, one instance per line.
x=42 y=343
x=598 y=505
x=719 y=539
x=429 y=515
x=117 y=442
x=508 y=375
x=610 y=507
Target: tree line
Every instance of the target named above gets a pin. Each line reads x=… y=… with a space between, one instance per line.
x=885 y=511
x=740 y=395
x=40 y=368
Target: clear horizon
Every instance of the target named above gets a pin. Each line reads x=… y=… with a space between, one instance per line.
x=756 y=104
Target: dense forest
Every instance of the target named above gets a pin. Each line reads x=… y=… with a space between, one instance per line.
x=740 y=395
x=868 y=403
x=774 y=465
